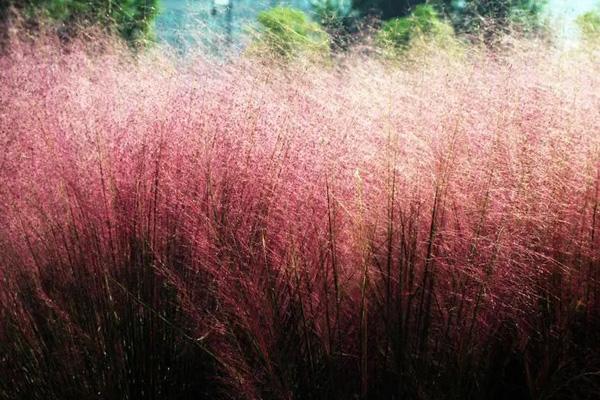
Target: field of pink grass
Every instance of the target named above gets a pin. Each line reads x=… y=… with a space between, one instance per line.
x=211 y=230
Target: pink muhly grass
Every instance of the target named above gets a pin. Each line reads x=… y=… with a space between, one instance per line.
x=203 y=230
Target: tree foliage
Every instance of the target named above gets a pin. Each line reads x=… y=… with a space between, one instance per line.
x=386 y=9
x=496 y=16
x=339 y=19
x=131 y=19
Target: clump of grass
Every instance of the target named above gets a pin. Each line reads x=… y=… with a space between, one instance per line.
x=287 y=34
x=252 y=232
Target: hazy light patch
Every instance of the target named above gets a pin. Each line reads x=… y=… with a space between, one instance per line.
x=564 y=14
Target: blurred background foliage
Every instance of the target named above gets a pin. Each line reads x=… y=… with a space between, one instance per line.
x=295 y=26
x=589 y=25
x=130 y=19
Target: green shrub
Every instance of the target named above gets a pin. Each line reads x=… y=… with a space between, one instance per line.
x=423 y=23
x=589 y=25
x=287 y=33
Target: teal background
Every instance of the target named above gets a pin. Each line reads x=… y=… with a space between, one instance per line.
x=186 y=23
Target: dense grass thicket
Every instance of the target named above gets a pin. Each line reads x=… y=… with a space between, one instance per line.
x=232 y=230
